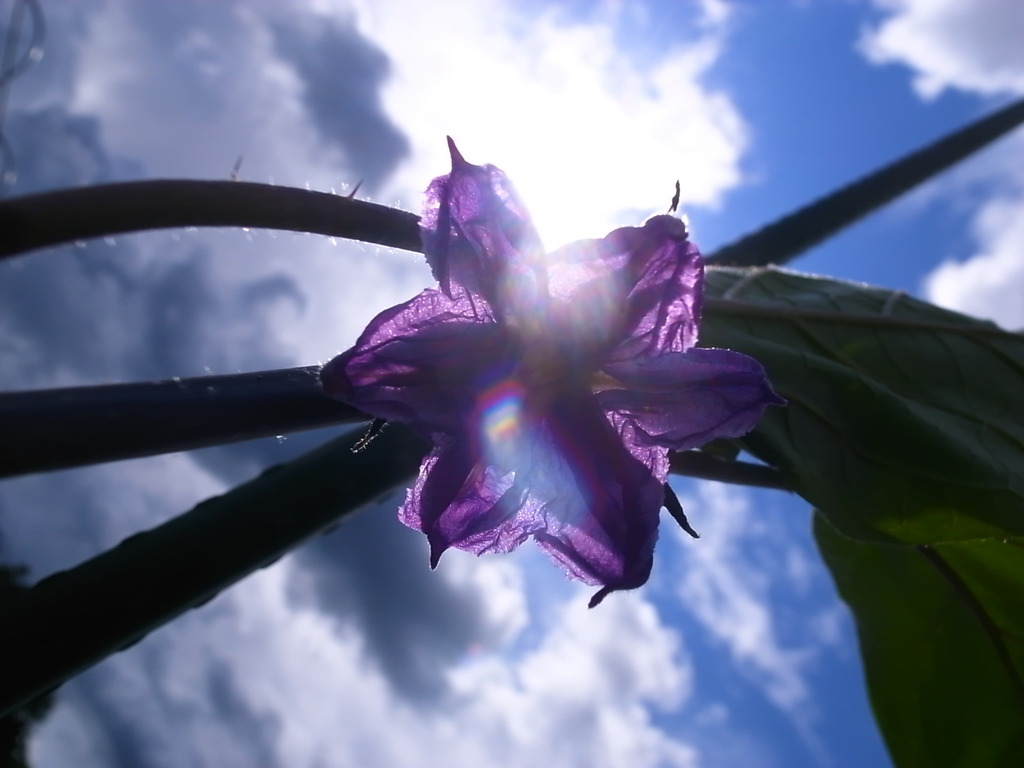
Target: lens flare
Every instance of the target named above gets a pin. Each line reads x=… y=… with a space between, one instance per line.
x=501 y=409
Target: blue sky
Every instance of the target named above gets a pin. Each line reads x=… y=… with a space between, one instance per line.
x=350 y=651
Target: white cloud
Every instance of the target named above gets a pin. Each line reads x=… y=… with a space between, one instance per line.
x=725 y=583
x=54 y=521
x=973 y=46
x=593 y=135
x=205 y=84
x=752 y=586
x=299 y=693
x=580 y=698
x=990 y=283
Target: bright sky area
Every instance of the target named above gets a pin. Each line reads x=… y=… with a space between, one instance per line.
x=351 y=652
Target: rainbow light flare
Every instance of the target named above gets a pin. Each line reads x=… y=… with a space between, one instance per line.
x=500 y=407
x=557 y=461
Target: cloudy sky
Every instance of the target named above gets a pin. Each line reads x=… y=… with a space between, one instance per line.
x=351 y=652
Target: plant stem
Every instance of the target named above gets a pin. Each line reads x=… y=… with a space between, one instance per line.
x=785 y=239
x=67 y=215
x=73 y=619
x=55 y=429
x=59 y=428
x=705 y=467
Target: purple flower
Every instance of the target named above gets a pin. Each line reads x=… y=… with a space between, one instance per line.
x=552 y=385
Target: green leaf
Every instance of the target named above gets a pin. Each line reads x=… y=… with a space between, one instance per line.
x=942 y=637
x=905 y=421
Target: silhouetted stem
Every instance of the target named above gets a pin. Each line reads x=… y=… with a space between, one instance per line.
x=67 y=215
x=63 y=216
x=785 y=239
x=55 y=429
x=81 y=426
x=705 y=467
x=73 y=619
x=58 y=428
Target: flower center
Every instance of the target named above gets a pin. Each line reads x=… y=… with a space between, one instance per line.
x=548 y=371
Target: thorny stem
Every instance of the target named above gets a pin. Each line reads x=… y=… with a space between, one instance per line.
x=787 y=238
x=51 y=430
x=51 y=218
x=707 y=467
x=69 y=215
x=59 y=428
x=54 y=429
x=72 y=619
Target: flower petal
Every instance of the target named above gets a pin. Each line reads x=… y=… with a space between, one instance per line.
x=475 y=228
x=421 y=362
x=638 y=288
x=587 y=283
x=600 y=522
x=457 y=502
x=667 y=280
x=682 y=400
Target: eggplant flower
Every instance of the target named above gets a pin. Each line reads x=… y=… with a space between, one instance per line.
x=551 y=385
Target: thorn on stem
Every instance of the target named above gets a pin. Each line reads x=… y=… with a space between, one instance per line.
x=375 y=428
